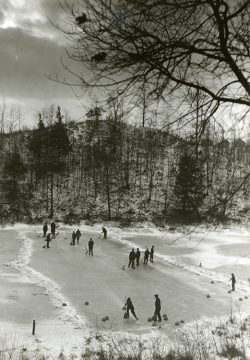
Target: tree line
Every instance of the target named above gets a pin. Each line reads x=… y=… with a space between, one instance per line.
x=107 y=169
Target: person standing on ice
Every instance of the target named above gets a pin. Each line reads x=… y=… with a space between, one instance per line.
x=137 y=256
x=152 y=254
x=53 y=229
x=129 y=306
x=48 y=240
x=157 y=313
x=233 y=281
x=132 y=259
x=73 y=242
x=146 y=255
x=45 y=229
x=91 y=245
x=78 y=235
x=104 y=231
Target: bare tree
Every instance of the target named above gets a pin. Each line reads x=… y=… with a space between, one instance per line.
x=172 y=46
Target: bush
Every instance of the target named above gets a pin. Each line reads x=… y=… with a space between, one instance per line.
x=231 y=352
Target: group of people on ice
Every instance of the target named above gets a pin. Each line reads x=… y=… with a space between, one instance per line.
x=129 y=307
x=51 y=235
x=91 y=242
x=75 y=237
x=134 y=257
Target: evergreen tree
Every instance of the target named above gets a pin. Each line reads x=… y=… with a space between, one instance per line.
x=13 y=174
x=41 y=125
x=37 y=142
x=58 y=145
x=56 y=149
x=188 y=186
x=49 y=147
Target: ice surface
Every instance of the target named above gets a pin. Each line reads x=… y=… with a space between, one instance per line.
x=64 y=274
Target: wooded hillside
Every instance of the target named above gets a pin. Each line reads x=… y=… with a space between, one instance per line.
x=105 y=169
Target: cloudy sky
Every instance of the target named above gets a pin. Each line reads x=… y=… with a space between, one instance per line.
x=31 y=48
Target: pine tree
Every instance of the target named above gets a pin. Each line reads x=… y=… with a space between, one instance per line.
x=13 y=173
x=188 y=186
x=58 y=147
x=49 y=147
x=37 y=142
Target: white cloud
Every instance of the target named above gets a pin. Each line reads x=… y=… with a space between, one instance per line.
x=16 y=12
x=31 y=48
x=32 y=18
x=8 y=23
x=17 y=3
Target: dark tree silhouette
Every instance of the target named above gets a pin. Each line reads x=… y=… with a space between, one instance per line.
x=13 y=175
x=49 y=147
x=56 y=151
x=189 y=186
x=37 y=142
x=172 y=46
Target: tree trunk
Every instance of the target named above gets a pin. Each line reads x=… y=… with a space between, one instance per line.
x=51 y=194
x=108 y=192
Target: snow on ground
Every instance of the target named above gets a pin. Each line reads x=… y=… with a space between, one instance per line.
x=50 y=288
x=53 y=285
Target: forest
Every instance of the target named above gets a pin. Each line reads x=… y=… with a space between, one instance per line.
x=188 y=57
x=105 y=168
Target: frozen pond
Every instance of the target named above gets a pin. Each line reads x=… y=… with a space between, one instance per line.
x=53 y=285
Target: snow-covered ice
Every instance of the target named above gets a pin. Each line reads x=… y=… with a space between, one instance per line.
x=53 y=285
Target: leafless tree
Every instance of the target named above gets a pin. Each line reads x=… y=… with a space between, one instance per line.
x=172 y=46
